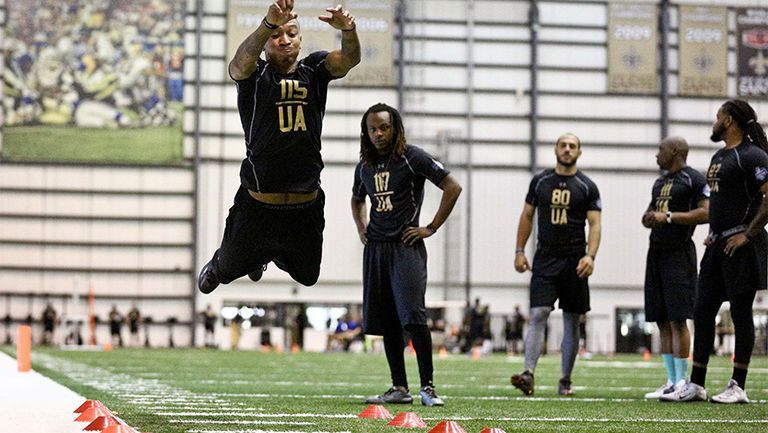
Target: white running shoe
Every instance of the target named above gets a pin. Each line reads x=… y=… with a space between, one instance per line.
x=686 y=391
x=663 y=389
x=732 y=394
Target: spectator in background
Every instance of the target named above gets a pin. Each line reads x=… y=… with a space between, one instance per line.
x=514 y=331
x=209 y=322
x=115 y=326
x=49 y=323
x=134 y=321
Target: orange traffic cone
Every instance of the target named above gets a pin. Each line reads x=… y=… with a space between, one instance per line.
x=375 y=411
x=407 y=419
x=476 y=352
x=442 y=352
x=92 y=413
x=87 y=404
x=102 y=423
x=647 y=355
x=447 y=427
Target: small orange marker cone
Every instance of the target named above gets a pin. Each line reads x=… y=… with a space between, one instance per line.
x=447 y=427
x=733 y=357
x=24 y=348
x=411 y=349
x=92 y=413
x=375 y=411
x=87 y=404
x=476 y=353
x=295 y=348
x=647 y=355
x=442 y=352
x=102 y=423
x=407 y=419
x=492 y=430
x=108 y=346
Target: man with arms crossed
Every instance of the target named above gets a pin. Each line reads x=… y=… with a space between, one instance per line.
x=679 y=201
x=564 y=198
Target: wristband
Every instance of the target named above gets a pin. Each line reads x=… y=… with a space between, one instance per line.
x=431 y=228
x=669 y=217
x=269 y=25
x=519 y=251
x=350 y=30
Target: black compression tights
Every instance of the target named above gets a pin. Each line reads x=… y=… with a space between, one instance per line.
x=422 y=343
x=704 y=327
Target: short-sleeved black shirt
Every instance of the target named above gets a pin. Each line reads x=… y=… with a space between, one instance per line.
x=680 y=191
x=735 y=177
x=395 y=186
x=562 y=203
x=282 y=117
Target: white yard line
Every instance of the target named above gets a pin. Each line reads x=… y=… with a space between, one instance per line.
x=258 y=415
x=262 y=431
x=249 y=422
x=612 y=420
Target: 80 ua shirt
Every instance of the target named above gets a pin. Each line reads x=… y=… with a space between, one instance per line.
x=395 y=186
x=282 y=117
x=562 y=203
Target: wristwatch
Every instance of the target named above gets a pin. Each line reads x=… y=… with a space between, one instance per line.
x=669 y=217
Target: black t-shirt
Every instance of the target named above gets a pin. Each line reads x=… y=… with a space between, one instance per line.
x=680 y=191
x=562 y=203
x=282 y=117
x=395 y=186
x=735 y=177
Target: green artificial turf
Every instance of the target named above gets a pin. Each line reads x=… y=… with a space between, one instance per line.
x=152 y=145
x=196 y=390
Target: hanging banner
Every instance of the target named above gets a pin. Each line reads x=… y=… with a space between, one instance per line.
x=89 y=80
x=244 y=17
x=632 y=40
x=375 y=28
x=752 y=40
x=703 y=53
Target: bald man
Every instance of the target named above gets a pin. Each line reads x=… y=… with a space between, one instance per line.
x=565 y=199
x=679 y=202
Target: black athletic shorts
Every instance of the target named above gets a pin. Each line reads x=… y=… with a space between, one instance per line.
x=256 y=233
x=394 y=285
x=726 y=278
x=670 y=283
x=554 y=278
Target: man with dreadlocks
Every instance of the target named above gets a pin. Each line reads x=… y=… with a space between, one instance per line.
x=392 y=174
x=734 y=263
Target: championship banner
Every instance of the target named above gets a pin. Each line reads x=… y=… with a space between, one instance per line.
x=244 y=16
x=94 y=80
x=375 y=28
x=703 y=53
x=632 y=39
x=752 y=39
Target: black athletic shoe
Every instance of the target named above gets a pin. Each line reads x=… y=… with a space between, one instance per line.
x=523 y=382
x=256 y=275
x=564 y=387
x=393 y=396
x=207 y=280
